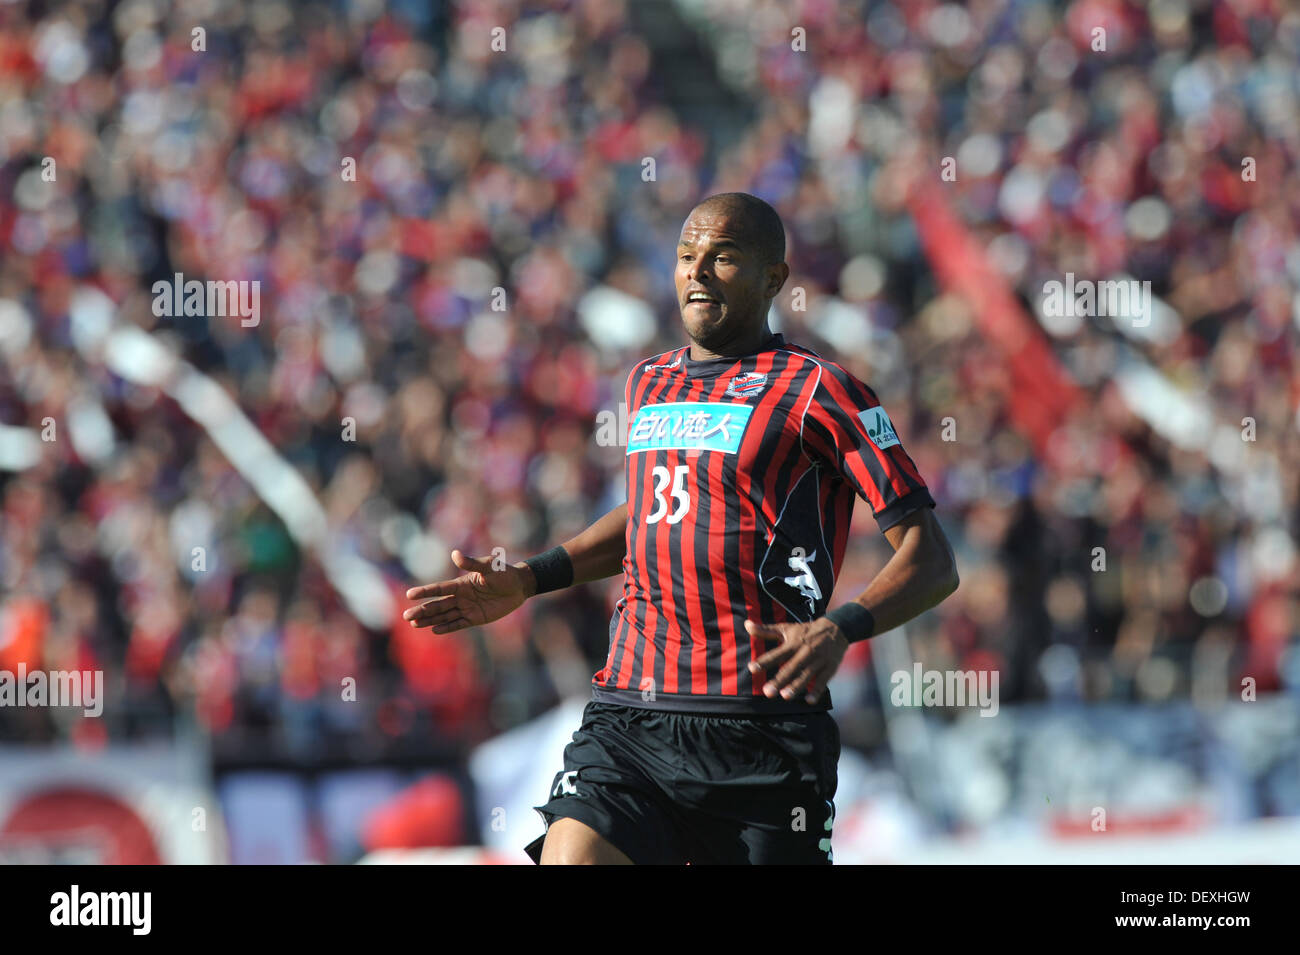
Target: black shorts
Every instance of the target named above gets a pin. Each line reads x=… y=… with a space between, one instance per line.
x=671 y=788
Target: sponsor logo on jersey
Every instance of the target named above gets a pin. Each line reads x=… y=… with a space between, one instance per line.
x=746 y=385
x=879 y=428
x=688 y=425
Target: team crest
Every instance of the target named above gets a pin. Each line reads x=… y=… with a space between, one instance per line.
x=746 y=385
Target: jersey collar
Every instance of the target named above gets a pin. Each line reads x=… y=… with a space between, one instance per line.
x=716 y=366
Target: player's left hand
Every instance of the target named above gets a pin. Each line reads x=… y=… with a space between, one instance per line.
x=810 y=652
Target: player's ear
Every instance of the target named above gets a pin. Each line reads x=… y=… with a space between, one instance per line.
x=776 y=276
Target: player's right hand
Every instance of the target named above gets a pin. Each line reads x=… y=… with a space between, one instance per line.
x=478 y=596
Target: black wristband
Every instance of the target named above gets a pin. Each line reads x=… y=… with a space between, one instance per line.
x=553 y=569
x=855 y=620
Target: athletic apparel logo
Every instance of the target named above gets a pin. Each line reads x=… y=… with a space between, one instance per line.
x=565 y=785
x=673 y=364
x=879 y=428
x=746 y=385
x=804 y=581
x=825 y=844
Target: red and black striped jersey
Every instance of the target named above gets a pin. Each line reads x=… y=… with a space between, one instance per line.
x=741 y=479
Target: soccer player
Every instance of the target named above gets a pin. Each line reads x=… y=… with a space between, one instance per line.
x=708 y=738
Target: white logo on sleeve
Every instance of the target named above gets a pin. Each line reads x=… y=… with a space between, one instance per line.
x=879 y=428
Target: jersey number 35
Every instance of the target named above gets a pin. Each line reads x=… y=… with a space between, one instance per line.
x=681 y=499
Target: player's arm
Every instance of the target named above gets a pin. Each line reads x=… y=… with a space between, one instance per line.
x=484 y=593
x=847 y=431
x=921 y=574
x=596 y=553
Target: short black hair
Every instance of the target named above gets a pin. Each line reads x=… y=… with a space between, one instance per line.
x=758 y=219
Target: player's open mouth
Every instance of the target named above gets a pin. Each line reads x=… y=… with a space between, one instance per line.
x=702 y=300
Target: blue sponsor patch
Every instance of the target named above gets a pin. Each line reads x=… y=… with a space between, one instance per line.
x=688 y=425
x=879 y=428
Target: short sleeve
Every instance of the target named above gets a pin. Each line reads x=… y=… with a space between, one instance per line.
x=848 y=431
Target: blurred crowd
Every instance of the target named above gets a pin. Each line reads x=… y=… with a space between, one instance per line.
x=460 y=253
